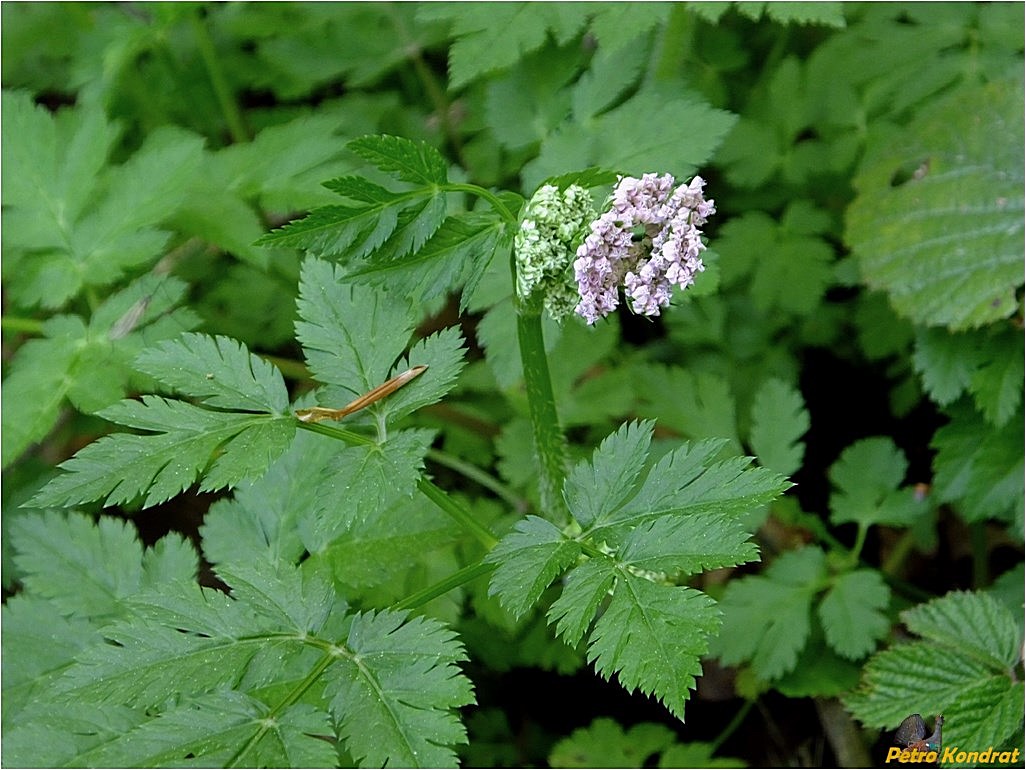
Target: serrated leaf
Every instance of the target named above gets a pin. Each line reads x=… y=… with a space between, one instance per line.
x=87 y=364
x=689 y=480
x=358 y=482
x=595 y=489
x=604 y=743
x=528 y=560
x=688 y=544
x=337 y=321
x=406 y=160
x=945 y=243
x=394 y=691
x=492 y=38
x=998 y=384
x=959 y=671
x=979 y=467
x=213 y=728
x=946 y=362
x=87 y=568
x=779 y=420
x=261 y=520
x=617 y=139
x=702 y=405
x=334 y=231
x=443 y=354
x=851 y=613
x=39 y=643
x=587 y=586
x=976 y=624
x=766 y=618
x=652 y=637
x=457 y=254
x=218 y=370
x=864 y=475
x=183 y=445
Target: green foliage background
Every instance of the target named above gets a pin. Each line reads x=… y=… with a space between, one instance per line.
x=858 y=329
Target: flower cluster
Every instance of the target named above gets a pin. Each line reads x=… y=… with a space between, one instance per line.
x=648 y=241
x=553 y=223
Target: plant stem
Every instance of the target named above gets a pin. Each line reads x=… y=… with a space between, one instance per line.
x=225 y=99
x=488 y=195
x=734 y=723
x=549 y=442
x=442 y=587
x=16 y=324
x=475 y=474
x=464 y=517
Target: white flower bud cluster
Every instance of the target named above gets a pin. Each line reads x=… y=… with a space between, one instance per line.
x=554 y=224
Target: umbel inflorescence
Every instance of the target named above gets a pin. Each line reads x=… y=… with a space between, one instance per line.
x=647 y=241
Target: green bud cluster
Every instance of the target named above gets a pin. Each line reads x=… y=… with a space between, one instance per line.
x=553 y=225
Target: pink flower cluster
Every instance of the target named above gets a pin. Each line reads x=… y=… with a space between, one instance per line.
x=649 y=241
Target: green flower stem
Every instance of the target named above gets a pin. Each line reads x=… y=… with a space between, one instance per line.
x=735 y=723
x=442 y=587
x=433 y=493
x=549 y=442
x=225 y=99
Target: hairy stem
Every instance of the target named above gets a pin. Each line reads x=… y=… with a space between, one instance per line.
x=549 y=442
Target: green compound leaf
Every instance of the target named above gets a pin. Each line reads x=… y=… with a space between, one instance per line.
x=391 y=685
x=456 y=255
x=336 y=320
x=87 y=364
x=852 y=613
x=690 y=481
x=766 y=618
x=70 y=219
x=688 y=545
x=212 y=728
x=978 y=467
x=636 y=533
x=961 y=668
x=395 y=690
x=490 y=38
x=595 y=489
x=389 y=223
x=944 y=237
x=604 y=743
x=417 y=163
x=866 y=477
x=652 y=637
x=988 y=363
x=974 y=623
x=218 y=370
x=779 y=420
x=185 y=442
x=86 y=568
x=528 y=560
